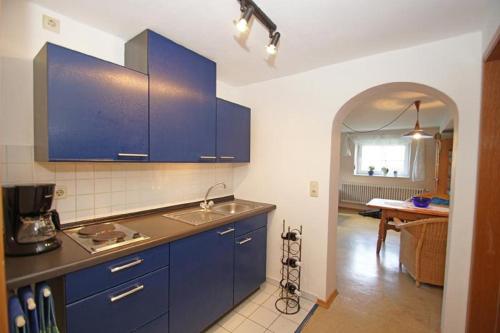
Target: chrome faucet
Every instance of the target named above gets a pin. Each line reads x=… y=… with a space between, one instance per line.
x=206 y=205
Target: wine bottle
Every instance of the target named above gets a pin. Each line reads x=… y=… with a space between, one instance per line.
x=292 y=288
x=292 y=262
x=291 y=235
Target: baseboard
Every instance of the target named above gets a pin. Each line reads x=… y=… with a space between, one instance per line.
x=326 y=304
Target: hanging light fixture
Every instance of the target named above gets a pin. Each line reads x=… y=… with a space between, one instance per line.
x=417 y=133
x=248 y=9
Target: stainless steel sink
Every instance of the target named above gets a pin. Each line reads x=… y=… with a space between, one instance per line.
x=196 y=217
x=202 y=216
x=233 y=208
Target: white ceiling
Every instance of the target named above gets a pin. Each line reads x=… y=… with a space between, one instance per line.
x=376 y=111
x=314 y=32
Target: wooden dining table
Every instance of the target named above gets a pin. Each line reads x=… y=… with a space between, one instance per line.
x=403 y=210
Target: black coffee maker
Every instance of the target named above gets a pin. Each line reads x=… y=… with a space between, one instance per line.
x=30 y=225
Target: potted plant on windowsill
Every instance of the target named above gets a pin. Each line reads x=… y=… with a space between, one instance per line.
x=385 y=170
x=371 y=170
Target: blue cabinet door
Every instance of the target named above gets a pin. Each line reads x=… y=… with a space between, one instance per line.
x=233 y=132
x=182 y=103
x=95 y=110
x=123 y=308
x=201 y=279
x=249 y=263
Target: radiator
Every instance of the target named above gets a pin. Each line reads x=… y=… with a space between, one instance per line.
x=362 y=193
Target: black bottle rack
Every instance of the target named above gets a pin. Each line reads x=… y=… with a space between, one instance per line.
x=288 y=301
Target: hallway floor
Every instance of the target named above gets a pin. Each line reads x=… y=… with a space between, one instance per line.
x=374 y=295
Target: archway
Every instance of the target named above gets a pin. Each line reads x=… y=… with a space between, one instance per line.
x=343 y=112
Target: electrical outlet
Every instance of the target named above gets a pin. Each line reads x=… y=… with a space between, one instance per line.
x=313 y=189
x=51 y=23
x=60 y=192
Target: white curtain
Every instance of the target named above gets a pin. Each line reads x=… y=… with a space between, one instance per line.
x=346 y=149
x=418 y=169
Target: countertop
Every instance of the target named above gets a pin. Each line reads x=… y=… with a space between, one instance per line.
x=71 y=257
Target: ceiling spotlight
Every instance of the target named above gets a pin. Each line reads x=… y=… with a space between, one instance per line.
x=417 y=133
x=272 y=47
x=242 y=24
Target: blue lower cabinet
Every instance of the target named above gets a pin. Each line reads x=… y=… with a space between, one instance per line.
x=159 y=325
x=123 y=308
x=249 y=263
x=201 y=280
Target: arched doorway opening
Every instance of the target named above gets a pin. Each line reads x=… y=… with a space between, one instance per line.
x=378 y=93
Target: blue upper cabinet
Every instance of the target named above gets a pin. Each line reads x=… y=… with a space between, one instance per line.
x=182 y=102
x=87 y=108
x=233 y=132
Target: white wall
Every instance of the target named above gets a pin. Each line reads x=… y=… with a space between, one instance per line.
x=292 y=143
x=492 y=25
x=93 y=189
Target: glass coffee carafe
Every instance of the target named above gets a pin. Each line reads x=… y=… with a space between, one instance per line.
x=40 y=228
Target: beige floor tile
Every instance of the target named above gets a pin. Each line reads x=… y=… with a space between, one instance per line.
x=298 y=317
x=259 y=297
x=270 y=303
x=306 y=304
x=231 y=321
x=283 y=325
x=264 y=317
x=247 y=308
x=249 y=326
x=269 y=288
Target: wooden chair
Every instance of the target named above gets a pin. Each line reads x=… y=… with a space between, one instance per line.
x=423 y=249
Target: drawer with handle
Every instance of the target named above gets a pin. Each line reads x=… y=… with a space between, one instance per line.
x=92 y=280
x=252 y=223
x=123 y=308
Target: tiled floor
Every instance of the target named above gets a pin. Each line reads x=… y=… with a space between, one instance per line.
x=257 y=315
x=374 y=295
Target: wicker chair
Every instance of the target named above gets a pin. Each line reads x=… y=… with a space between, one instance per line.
x=423 y=249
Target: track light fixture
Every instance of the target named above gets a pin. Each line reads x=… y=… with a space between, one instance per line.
x=242 y=24
x=271 y=48
x=248 y=9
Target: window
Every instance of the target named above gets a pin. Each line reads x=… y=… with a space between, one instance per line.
x=392 y=154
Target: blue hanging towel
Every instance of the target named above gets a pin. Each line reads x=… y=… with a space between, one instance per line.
x=28 y=304
x=17 y=320
x=46 y=310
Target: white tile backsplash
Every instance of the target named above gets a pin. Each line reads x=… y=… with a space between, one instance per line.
x=19 y=154
x=84 y=202
x=65 y=171
x=102 y=185
x=104 y=189
x=20 y=173
x=84 y=186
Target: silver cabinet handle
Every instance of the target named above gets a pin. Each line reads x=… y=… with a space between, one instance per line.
x=132 y=155
x=246 y=240
x=128 y=265
x=207 y=157
x=222 y=233
x=227 y=157
x=127 y=293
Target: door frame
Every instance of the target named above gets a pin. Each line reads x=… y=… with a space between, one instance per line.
x=484 y=292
